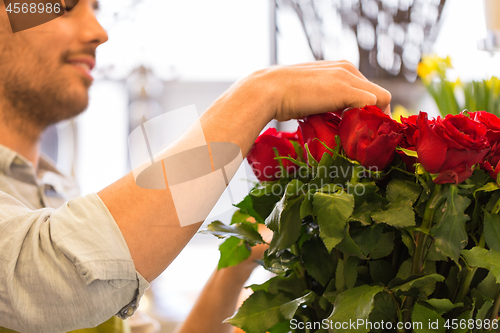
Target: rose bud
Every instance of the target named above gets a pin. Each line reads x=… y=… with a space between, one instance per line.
x=369 y=136
x=322 y=127
x=491 y=122
x=450 y=146
x=262 y=156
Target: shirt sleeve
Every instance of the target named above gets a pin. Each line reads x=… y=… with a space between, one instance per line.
x=64 y=269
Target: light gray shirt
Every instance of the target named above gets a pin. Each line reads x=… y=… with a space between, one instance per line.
x=64 y=264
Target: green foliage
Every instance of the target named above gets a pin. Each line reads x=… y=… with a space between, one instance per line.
x=232 y=252
x=352 y=245
x=354 y=304
x=332 y=212
x=243 y=231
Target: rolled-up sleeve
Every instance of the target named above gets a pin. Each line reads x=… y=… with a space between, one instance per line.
x=64 y=269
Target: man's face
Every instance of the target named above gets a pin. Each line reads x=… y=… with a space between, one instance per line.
x=45 y=70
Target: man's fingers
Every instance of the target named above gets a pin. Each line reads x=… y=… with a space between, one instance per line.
x=387 y=110
x=359 y=98
x=383 y=97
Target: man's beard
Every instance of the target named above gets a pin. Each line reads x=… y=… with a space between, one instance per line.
x=36 y=102
x=39 y=107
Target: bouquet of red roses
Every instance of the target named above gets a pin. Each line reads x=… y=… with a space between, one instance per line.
x=378 y=226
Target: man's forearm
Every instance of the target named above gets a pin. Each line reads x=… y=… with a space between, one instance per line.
x=217 y=302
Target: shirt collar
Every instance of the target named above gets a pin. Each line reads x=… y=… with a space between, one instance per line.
x=10 y=159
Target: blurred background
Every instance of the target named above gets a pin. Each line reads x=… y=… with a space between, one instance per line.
x=166 y=54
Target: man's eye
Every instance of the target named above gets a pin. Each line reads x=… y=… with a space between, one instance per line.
x=70 y=4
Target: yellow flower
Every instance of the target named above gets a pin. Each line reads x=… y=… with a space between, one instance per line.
x=400 y=111
x=430 y=66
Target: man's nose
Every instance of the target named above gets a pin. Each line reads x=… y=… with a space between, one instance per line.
x=91 y=30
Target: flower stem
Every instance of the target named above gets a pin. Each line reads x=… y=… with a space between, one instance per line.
x=496 y=305
x=496 y=208
x=471 y=271
x=356 y=170
x=300 y=268
x=419 y=253
x=422 y=236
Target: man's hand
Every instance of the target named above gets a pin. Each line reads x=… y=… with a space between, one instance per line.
x=318 y=87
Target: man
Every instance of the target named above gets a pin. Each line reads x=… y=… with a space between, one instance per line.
x=80 y=263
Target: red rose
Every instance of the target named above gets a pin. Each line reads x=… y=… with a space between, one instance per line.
x=262 y=157
x=323 y=127
x=491 y=122
x=491 y=163
x=369 y=136
x=450 y=146
x=409 y=140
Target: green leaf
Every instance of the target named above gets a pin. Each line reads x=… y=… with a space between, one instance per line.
x=289 y=225
x=482 y=313
x=354 y=304
x=281 y=327
x=488 y=188
x=384 y=309
x=266 y=188
x=261 y=206
x=408 y=152
x=319 y=263
x=341 y=170
x=348 y=246
x=450 y=236
x=232 y=252
x=294 y=188
x=362 y=213
x=417 y=282
x=339 y=276
x=306 y=208
x=243 y=231
x=480 y=257
x=361 y=192
x=279 y=264
x=323 y=172
x=492 y=230
x=487 y=285
x=351 y=272
x=288 y=309
x=263 y=286
x=384 y=246
x=240 y=217
x=291 y=285
x=421 y=314
x=368 y=238
x=400 y=217
x=441 y=305
x=403 y=192
x=464 y=316
x=382 y=271
x=259 y=312
x=246 y=206
x=332 y=211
